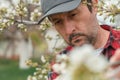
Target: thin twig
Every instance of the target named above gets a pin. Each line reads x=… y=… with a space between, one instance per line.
x=26 y=22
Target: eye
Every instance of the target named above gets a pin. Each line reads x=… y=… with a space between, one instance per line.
x=57 y=22
x=73 y=14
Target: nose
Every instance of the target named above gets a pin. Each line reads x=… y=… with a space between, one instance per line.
x=69 y=27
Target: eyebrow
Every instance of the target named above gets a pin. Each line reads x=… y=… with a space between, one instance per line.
x=53 y=19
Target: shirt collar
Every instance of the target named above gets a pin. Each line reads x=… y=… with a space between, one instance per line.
x=113 y=41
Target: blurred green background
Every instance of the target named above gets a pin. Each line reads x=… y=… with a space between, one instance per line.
x=20 y=39
x=9 y=70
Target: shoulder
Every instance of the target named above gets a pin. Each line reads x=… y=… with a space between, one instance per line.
x=66 y=50
x=115 y=33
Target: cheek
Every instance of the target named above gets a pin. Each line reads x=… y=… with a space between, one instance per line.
x=64 y=36
x=83 y=25
x=82 y=28
x=62 y=33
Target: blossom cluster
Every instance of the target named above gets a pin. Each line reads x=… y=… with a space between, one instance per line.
x=42 y=67
x=110 y=11
x=79 y=63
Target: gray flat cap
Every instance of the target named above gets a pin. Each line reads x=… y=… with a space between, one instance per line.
x=50 y=7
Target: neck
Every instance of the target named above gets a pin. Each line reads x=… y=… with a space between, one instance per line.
x=102 y=38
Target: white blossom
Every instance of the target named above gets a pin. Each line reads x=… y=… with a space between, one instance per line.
x=29 y=78
x=64 y=77
x=62 y=57
x=34 y=78
x=40 y=76
x=105 y=18
x=79 y=56
x=97 y=63
x=56 y=68
x=44 y=71
x=43 y=59
x=46 y=77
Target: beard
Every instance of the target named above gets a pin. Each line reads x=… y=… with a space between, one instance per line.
x=79 y=39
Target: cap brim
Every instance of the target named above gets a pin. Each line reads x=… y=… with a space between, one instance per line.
x=61 y=8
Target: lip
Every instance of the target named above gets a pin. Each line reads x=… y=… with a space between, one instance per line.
x=76 y=39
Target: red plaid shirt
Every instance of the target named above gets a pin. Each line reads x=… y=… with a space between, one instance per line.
x=112 y=44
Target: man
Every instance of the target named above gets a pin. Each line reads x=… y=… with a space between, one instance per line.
x=76 y=21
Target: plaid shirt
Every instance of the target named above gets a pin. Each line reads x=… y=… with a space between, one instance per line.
x=112 y=44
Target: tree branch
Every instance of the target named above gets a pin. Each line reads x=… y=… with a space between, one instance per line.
x=25 y=22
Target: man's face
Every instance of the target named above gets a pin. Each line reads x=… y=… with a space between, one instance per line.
x=78 y=26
